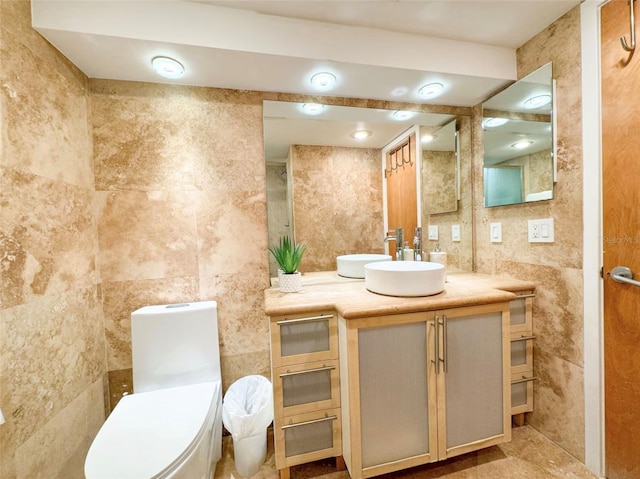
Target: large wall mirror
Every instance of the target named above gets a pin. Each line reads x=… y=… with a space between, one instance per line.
x=519 y=146
x=324 y=179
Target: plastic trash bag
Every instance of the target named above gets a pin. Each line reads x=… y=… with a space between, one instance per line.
x=247 y=411
x=247 y=408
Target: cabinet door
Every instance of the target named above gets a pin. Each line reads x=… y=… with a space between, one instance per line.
x=396 y=389
x=474 y=402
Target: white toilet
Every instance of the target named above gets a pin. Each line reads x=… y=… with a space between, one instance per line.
x=171 y=427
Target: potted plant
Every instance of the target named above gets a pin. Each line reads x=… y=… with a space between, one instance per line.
x=288 y=256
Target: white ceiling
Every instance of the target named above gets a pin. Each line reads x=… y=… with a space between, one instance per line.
x=378 y=49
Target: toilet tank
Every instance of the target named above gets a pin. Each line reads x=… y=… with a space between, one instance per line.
x=175 y=345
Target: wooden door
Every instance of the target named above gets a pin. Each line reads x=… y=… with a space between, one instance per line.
x=621 y=230
x=400 y=176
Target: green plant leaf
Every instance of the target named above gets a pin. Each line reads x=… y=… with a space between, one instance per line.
x=288 y=254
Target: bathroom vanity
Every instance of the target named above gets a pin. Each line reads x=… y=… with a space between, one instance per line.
x=385 y=383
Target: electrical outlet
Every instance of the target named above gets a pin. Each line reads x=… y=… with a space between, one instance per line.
x=541 y=231
x=433 y=232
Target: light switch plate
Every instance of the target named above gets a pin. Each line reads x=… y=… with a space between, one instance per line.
x=541 y=231
x=433 y=232
x=455 y=232
x=495 y=232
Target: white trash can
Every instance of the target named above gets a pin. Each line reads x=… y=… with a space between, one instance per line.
x=247 y=411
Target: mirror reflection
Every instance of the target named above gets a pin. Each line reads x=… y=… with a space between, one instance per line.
x=518 y=141
x=440 y=169
x=324 y=181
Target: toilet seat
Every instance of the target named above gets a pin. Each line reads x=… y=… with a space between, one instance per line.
x=149 y=434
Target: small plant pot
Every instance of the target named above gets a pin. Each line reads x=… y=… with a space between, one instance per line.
x=289 y=282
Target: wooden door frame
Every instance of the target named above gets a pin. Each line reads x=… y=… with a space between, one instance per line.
x=390 y=146
x=592 y=237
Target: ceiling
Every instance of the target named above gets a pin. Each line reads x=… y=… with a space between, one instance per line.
x=377 y=49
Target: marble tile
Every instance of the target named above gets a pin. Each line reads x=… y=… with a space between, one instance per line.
x=147 y=235
x=555 y=268
x=559 y=402
x=331 y=218
x=48 y=112
x=237 y=366
x=529 y=455
x=58 y=449
x=120 y=384
x=48 y=243
x=232 y=237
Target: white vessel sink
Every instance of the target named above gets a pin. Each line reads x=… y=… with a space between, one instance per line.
x=352 y=265
x=404 y=278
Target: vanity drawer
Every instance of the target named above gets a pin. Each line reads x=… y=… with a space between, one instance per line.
x=307 y=437
x=521 y=310
x=521 y=353
x=522 y=393
x=306 y=387
x=303 y=338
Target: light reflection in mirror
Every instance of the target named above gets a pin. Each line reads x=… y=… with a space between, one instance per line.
x=518 y=141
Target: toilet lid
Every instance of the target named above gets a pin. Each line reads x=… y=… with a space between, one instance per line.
x=148 y=432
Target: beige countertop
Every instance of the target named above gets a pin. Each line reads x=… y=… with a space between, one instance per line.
x=349 y=297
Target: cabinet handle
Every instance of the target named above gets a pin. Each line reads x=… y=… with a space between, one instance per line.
x=523 y=338
x=445 y=361
x=437 y=344
x=313 y=421
x=523 y=380
x=525 y=296
x=322 y=317
x=295 y=373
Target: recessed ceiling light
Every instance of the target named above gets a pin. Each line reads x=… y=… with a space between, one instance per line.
x=522 y=144
x=312 y=108
x=167 y=67
x=400 y=115
x=428 y=138
x=430 y=90
x=361 y=134
x=323 y=81
x=493 y=122
x=537 y=101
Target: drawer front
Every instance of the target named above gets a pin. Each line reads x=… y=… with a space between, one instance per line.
x=304 y=338
x=522 y=393
x=307 y=437
x=306 y=387
x=521 y=353
x=521 y=310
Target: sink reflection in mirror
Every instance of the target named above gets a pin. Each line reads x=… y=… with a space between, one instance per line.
x=352 y=265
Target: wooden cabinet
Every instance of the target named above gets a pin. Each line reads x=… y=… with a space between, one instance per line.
x=422 y=387
x=305 y=373
x=521 y=332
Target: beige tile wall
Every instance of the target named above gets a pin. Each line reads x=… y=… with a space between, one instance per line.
x=181 y=213
x=555 y=268
x=337 y=202
x=52 y=350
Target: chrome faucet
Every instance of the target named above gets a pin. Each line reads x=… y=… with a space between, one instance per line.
x=396 y=235
x=417 y=243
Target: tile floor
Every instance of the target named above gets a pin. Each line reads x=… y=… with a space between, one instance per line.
x=529 y=455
